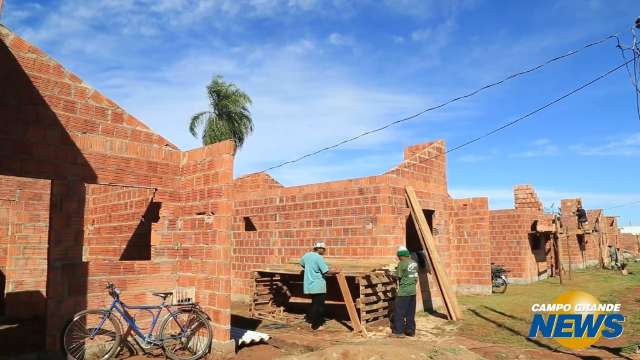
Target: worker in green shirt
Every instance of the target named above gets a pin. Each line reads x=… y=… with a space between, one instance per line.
x=314 y=284
x=404 y=306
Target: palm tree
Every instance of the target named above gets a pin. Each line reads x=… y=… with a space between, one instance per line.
x=228 y=117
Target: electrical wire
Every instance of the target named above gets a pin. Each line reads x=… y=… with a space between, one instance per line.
x=636 y=52
x=633 y=81
x=511 y=123
x=623 y=205
x=470 y=94
x=502 y=127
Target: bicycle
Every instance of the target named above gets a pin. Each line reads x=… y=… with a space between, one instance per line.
x=498 y=279
x=185 y=333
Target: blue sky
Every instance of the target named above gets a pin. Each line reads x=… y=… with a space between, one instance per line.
x=320 y=71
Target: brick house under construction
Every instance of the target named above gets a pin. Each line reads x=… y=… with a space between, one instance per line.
x=363 y=218
x=521 y=237
x=514 y=244
x=89 y=194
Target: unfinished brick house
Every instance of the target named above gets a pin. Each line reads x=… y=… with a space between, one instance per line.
x=89 y=194
x=631 y=243
x=363 y=218
x=581 y=247
x=611 y=230
x=514 y=242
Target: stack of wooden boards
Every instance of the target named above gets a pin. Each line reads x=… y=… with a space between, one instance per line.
x=371 y=301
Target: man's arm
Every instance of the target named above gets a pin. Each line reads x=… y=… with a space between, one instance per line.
x=333 y=271
x=325 y=270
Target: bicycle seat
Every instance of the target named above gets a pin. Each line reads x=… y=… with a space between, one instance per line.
x=164 y=295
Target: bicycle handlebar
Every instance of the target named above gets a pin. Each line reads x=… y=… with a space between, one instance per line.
x=113 y=290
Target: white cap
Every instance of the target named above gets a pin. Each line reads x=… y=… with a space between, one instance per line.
x=402 y=248
x=320 y=245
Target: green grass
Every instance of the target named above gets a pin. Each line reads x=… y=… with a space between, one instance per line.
x=505 y=318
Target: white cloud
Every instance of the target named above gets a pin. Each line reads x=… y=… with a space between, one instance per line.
x=421 y=34
x=428 y=8
x=340 y=40
x=623 y=145
x=539 y=148
x=397 y=39
x=299 y=103
x=437 y=36
x=473 y=158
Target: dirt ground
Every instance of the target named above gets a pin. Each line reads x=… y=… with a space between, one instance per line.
x=495 y=327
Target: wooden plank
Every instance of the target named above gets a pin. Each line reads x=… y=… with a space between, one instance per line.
x=376 y=281
x=380 y=305
x=348 y=300
x=377 y=314
x=374 y=290
x=424 y=233
x=558 y=246
x=378 y=297
x=360 y=301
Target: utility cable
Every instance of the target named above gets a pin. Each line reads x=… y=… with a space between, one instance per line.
x=470 y=94
x=623 y=205
x=549 y=104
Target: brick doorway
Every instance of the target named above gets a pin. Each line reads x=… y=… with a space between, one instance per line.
x=414 y=245
x=412 y=239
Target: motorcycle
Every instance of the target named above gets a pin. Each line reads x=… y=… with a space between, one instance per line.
x=498 y=279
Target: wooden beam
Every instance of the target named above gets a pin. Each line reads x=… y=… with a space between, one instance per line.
x=348 y=301
x=558 y=246
x=424 y=233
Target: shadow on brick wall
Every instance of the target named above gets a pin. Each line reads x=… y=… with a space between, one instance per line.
x=35 y=144
x=24 y=330
x=139 y=245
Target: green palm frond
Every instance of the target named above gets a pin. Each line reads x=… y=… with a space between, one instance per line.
x=229 y=116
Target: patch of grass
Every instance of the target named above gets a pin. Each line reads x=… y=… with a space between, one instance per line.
x=505 y=318
x=453 y=350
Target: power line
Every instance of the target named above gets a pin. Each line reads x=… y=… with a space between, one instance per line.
x=623 y=205
x=633 y=78
x=485 y=87
x=511 y=123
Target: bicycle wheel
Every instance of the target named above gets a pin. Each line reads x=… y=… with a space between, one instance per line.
x=186 y=334
x=83 y=340
x=499 y=285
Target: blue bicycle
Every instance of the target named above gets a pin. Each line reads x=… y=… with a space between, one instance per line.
x=185 y=333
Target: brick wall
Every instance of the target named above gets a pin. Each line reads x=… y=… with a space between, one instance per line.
x=612 y=231
x=631 y=243
x=526 y=198
x=357 y=218
x=526 y=255
x=23 y=244
x=203 y=230
x=63 y=131
x=347 y=215
x=471 y=244
x=118 y=223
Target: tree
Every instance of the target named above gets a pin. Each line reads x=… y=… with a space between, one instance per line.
x=228 y=116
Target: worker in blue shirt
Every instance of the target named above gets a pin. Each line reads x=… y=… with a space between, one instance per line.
x=315 y=269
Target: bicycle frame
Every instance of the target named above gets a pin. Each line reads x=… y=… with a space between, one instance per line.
x=121 y=308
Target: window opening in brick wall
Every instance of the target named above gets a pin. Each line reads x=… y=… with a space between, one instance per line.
x=139 y=245
x=249 y=225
